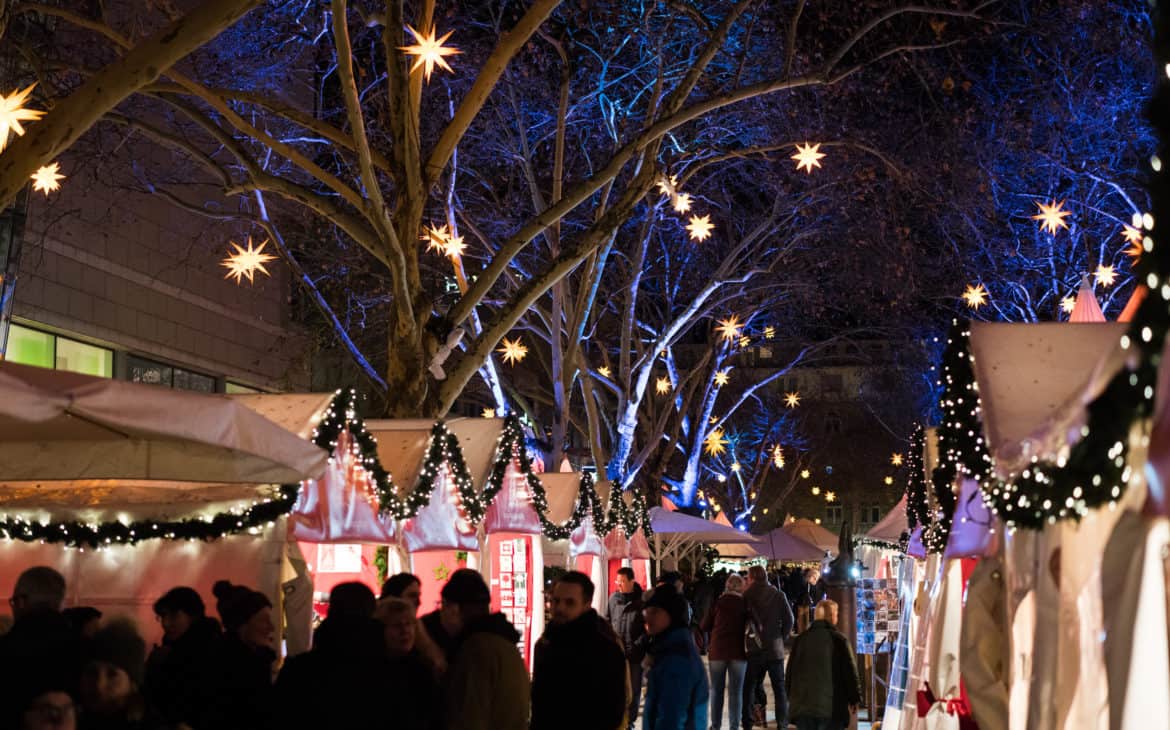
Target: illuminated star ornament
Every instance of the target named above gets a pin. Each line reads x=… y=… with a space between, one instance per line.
x=808 y=157
x=1131 y=234
x=897 y=459
x=778 y=456
x=1051 y=216
x=715 y=444
x=830 y=496
x=666 y=185
x=805 y=474
x=682 y=203
x=662 y=385
x=1134 y=237
x=436 y=237
x=792 y=400
x=429 y=52
x=513 y=351
x=769 y=332
x=489 y=413
x=888 y=481
x=1105 y=275
x=729 y=328
x=48 y=178
x=603 y=371
x=735 y=466
x=721 y=377
x=454 y=246
x=245 y=262
x=1068 y=304
x=13 y=112
x=975 y=296
x=700 y=227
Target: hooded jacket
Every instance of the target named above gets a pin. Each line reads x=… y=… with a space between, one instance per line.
x=487 y=684
x=770 y=608
x=584 y=647
x=181 y=675
x=625 y=617
x=822 y=675
x=676 y=685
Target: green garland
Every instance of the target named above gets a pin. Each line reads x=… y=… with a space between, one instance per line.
x=628 y=518
x=588 y=503
x=899 y=546
x=917 y=508
x=341 y=414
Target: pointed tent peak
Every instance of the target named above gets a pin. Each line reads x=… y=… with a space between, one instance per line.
x=668 y=505
x=721 y=519
x=1135 y=301
x=1086 y=309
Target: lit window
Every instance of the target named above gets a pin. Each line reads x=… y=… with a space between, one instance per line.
x=231 y=387
x=78 y=357
x=29 y=347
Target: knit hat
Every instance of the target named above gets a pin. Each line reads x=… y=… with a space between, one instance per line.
x=237 y=604
x=667 y=598
x=182 y=599
x=118 y=643
x=465 y=586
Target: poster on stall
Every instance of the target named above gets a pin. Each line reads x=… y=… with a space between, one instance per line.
x=512 y=584
x=878 y=615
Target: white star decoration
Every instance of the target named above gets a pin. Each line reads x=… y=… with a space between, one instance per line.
x=808 y=156
x=245 y=262
x=513 y=351
x=1105 y=275
x=975 y=296
x=429 y=52
x=682 y=202
x=13 y=112
x=662 y=385
x=1051 y=216
x=792 y=400
x=721 y=377
x=48 y=178
x=1068 y=304
x=700 y=227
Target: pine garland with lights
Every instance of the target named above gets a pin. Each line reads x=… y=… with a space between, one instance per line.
x=588 y=503
x=629 y=518
x=917 y=509
x=899 y=546
x=341 y=414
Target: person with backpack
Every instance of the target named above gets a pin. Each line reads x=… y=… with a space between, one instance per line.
x=726 y=660
x=770 y=623
x=822 y=683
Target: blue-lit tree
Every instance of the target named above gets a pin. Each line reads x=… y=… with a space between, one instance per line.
x=310 y=118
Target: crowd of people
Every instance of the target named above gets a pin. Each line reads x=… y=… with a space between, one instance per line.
x=375 y=662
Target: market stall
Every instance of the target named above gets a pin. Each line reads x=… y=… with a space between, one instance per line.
x=583 y=549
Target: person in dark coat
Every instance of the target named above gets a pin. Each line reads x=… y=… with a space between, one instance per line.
x=487 y=685
x=769 y=609
x=181 y=673
x=823 y=686
x=341 y=681
x=625 y=617
x=41 y=654
x=111 y=683
x=676 y=685
x=405 y=586
x=245 y=660
x=726 y=660
x=415 y=664
x=83 y=620
x=578 y=645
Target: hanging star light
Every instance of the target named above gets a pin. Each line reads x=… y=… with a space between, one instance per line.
x=769 y=332
x=729 y=328
x=815 y=491
x=682 y=203
x=13 y=112
x=1051 y=216
x=805 y=474
x=778 y=456
x=47 y=179
x=1134 y=250
x=735 y=467
x=1068 y=304
x=488 y=413
x=744 y=341
x=1105 y=275
x=454 y=246
x=715 y=444
x=700 y=227
x=792 y=400
x=435 y=236
x=245 y=262
x=888 y=481
x=667 y=185
x=662 y=385
x=722 y=377
x=975 y=296
x=513 y=350
x=603 y=371
x=897 y=459
x=808 y=157
x=429 y=52
x=830 y=496
x=1131 y=234
x=713 y=420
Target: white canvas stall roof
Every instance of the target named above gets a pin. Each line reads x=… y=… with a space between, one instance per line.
x=296 y=412
x=892 y=525
x=56 y=425
x=812 y=533
x=402 y=446
x=561 y=489
x=1035 y=380
x=779 y=544
x=697 y=529
x=478 y=438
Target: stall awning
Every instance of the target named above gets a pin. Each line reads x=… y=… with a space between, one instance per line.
x=892 y=526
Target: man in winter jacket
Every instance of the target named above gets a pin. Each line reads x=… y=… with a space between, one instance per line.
x=578 y=643
x=676 y=685
x=769 y=610
x=487 y=683
x=625 y=616
x=181 y=674
x=823 y=687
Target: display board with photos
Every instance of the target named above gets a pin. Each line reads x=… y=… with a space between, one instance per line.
x=878 y=615
x=513 y=587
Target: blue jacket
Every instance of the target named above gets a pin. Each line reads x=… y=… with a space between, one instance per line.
x=676 y=686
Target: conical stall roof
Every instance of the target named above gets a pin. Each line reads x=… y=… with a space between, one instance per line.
x=893 y=525
x=779 y=544
x=812 y=533
x=1086 y=309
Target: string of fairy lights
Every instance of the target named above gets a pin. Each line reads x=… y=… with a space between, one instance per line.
x=443 y=457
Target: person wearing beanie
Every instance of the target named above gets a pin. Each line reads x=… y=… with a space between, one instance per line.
x=111 y=682
x=487 y=684
x=405 y=586
x=243 y=695
x=676 y=684
x=181 y=673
